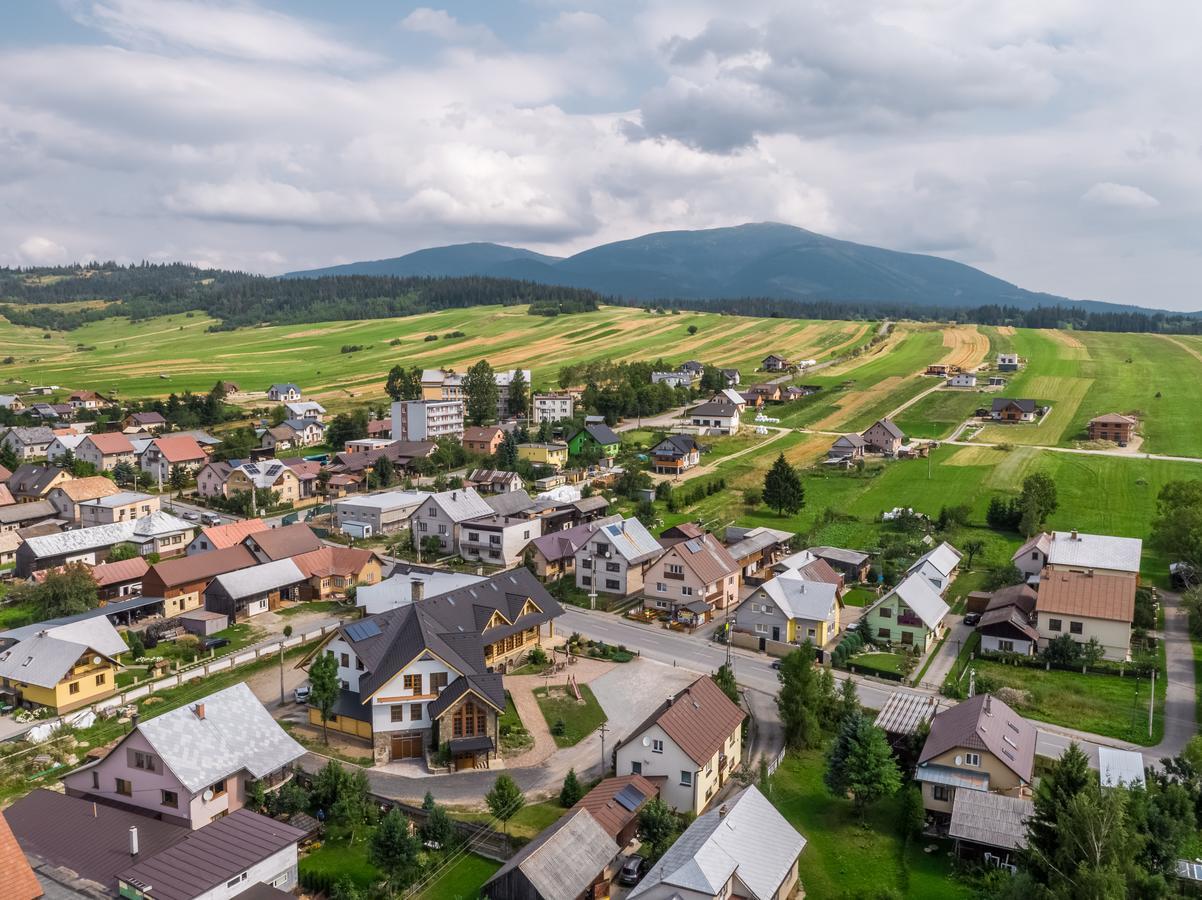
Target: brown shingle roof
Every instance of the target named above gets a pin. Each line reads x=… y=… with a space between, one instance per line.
x=19 y=881
x=327 y=561
x=180 y=448
x=231 y=533
x=1112 y=419
x=91 y=488
x=1094 y=596
x=186 y=569
x=111 y=442
x=281 y=543
x=706 y=557
x=611 y=815
x=984 y=723
x=820 y=570
x=481 y=432
x=698 y=720
x=1020 y=595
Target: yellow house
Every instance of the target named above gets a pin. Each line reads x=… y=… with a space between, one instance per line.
x=553 y=455
x=59 y=673
x=270 y=475
x=791 y=609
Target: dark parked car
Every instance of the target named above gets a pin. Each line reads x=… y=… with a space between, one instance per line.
x=632 y=870
x=214 y=643
x=972 y=618
x=776 y=663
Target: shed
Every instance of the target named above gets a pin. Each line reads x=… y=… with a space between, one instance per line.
x=904 y=713
x=1120 y=767
x=990 y=820
x=562 y=863
x=203 y=622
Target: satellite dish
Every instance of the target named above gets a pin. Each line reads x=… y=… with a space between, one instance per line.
x=959 y=760
x=646 y=742
x=207 y=795
x=95 y=660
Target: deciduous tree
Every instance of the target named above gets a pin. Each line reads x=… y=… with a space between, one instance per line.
x=396 y=851
x=324 y=688
x=658 y=827
x=505 y=798
x=480 y=394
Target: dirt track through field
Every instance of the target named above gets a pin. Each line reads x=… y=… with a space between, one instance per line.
x=1073 y=347
x=896 y=336
x=1192 y=351
x=853 y=401
x=1007 y=330
x=967 y=347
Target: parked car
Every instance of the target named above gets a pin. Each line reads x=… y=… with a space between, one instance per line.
x=211 y=519
x=191 y=516
x=301 y=694
x=776 y=664
x=214 y=643
x=972 y=618
x=633 y=869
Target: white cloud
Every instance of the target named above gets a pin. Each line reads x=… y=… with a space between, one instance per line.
x=441 y=24
x=41 y=251
x=1127 y=196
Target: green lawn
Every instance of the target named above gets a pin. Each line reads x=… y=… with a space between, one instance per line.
x=580 y=717
x=858 y=596
x=342 y=858
x=1102 y=704
x=877 y=662
x=529 y=821
x=845 y=858
x=937 y=415
x=14 y=615
x=462 y=881
x=314 y=606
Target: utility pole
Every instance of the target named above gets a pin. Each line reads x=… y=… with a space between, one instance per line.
x=1151 y=702
x=972 y=683
x=287 y=634
x=604 y=728
x=592 y=585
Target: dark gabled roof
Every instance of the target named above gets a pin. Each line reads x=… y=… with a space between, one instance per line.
x=676 y=445
x=284 y=542
x=564 y=859
x=699 y=719
x=201 y=566
x=714 y=408
x=486 y=686
x=984 y=723
x=1020 y=595
x=27 y=512
x=601 y=433
x=211 y=855
x=32 y=478
x=398 y=451
x=1000 y=403
x=1007 y=620
x=890 y=427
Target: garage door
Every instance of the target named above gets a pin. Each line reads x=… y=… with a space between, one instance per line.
x=406 y=746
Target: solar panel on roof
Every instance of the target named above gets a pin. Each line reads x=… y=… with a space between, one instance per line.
x=630 y=797
x=362 y=630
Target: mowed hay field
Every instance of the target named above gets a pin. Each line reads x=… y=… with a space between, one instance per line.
x=115 y=355
x=1085 y=374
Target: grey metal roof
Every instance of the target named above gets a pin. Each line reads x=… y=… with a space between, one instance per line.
x=121 y=498
x=38 y=434
x=42 y=660
x=509 y=503
x=565 y=858
x=236 y=733
x=715 y=408
x=1000 y=403
x=461 y=504
x=631 y=540
x=952 y=777
x=994 y=820
x=159 y=523
x=944 y=559
x=916 y=593
x=91 y=628
x=746 y=837
x=890 y=426
x=1118 y=767
x=397 y=590
x=81 y=539
x=904 y=711
x=27 y=512
x=211 y=856
x=385 y=501
x=798 y=598
x=259 y=579
x=848 y=557
x=1094 y=551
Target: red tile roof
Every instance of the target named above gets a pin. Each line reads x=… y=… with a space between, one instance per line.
x=231 y=533
x=111 y=442
x=180 y=448
x=1094 y=596
x=698 y=720
x=328 y=561
x=15 y=874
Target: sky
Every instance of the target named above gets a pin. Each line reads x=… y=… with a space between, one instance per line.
x=1053 y=143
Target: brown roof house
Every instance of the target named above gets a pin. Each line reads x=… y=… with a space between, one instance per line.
x=482 y=439
x=883 y=436
x=693 y=740
x=978 y=745
x=1112 y=427
x=220 y=537
x=182 y=582
x=166 y=453
x=19 y=881
x=105 y=451
x=66 y=496
x=692 y=579
x=616 y=802
x=273 y=544
x=144 y=421
x=331 y=570
x=1087 y=604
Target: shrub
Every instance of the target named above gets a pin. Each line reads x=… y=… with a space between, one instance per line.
x=559 y=727
x=753 y=496
x=430 y=337
x=538 y=656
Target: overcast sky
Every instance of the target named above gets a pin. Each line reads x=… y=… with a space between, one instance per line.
x=1054 y=143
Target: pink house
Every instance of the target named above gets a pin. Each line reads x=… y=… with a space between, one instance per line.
x=194 y=764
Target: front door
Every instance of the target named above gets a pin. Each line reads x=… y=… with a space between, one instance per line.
x=776 y=632
x=406 y=746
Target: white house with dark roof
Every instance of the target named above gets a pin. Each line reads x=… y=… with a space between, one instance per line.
x=28 y=442
x=847 y=447
x=715 y=417
x=744 y=848
x=883 y=436
x=193 y=765
x=616 y=558
x=284 y=393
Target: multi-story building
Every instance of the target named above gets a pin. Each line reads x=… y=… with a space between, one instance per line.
x=427 y=420
x=105 y=451
x=384 y=513
x=552 y=408
x=691 y=579
x=553 y=455
x=447 y=384
x=123 y=506
x=442 y=516
x=497 y=540
x=616 y=558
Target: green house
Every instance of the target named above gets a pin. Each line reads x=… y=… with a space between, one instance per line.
x=600 y=436
x=910 y=615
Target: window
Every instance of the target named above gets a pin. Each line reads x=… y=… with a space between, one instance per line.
x=359 y=664
x=73 y=688
x=586 y=580
x=438 y=681
x=661 y=604
x=686 y=591
x=885 y=612
x=972 y=759
x=413 y=683
x=345 y=661
x=234 y=882
x=124 y=788
x=686 y=778
x=761 y=628
x=612 y=584
x=586 y=563
x=939 y=792
x=218 y=788
x=442 y=529
x=473 y=535
x=422 y=527
x=1075 y=627
x=1054 y=625
x=397 y=713
x=884 y=633
x=675 y=569
x=636 y=768
x=661 y=588
x=143 y=761
x=170 y=798
x=96 y=780
x=1005 y=646
x=657 y=746
x=100 y=679
x=612 y=567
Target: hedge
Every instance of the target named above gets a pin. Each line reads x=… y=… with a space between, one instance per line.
x=1102 y=667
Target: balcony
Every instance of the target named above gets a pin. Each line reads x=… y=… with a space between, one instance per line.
x=674 y=576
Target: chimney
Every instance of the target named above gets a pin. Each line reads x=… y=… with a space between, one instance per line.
x=1075 y=536
x=988 y=710
x=133 y=840
x=200 y=710
x=723 y=811
x=417 y=589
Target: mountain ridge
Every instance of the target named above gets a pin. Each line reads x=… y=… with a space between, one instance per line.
x=763 y=259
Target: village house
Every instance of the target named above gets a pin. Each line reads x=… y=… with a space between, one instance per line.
x=1112 y=427
x=66 y=496
x=225 y=479
x=407 y=584
x=115 y=580
x=60 y=666
x=123 y=506
x=715 y=417
x=182 y=582
x=883 y=436
x=429 y=672
x=441 y=515
x=192 y=765
x=305 y=409
x=53 y=412
x=729 y=395
x=246 y=593
x=9 y=542
x=672 y=379
x=756 y=549
x=979 y=745
x=86 y=400
x=731 y=377
x=292 y=433
x=963 y=380
x=307 y=472
x=1003 y=409
x=692 y=579
x=1078 y=551
x=447 y=385
x=156 y=533
x=554 y=552
x=745 y=848
x=938 y=566
x=62 y=445
x=497 y=540
x=373 y=514
x=29 y=442
x=364 y=445
x=774 y=363
x=1008 y=362
x=494 y=481
x=483 y=439
x=284 y=393
x=272 y=544
x=144 y=421
x=380 y=428
x=571 y=859
x=403 y=454
x=616 y=559
x=1087 y=605
x=1007 y=629
x=676 y=453
x=16 y=517
x=554 y=456
x=105 y=451
x=164 y=454
x=847 y=447
x=219 y=537
x=12 y=402
x=693 y=741
x=764 y=393
x=331 y=570
x=940 y=370
x=595 y=437
x=792 y=609
x=552 y=408
x=910 y=615
x=427 y=420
